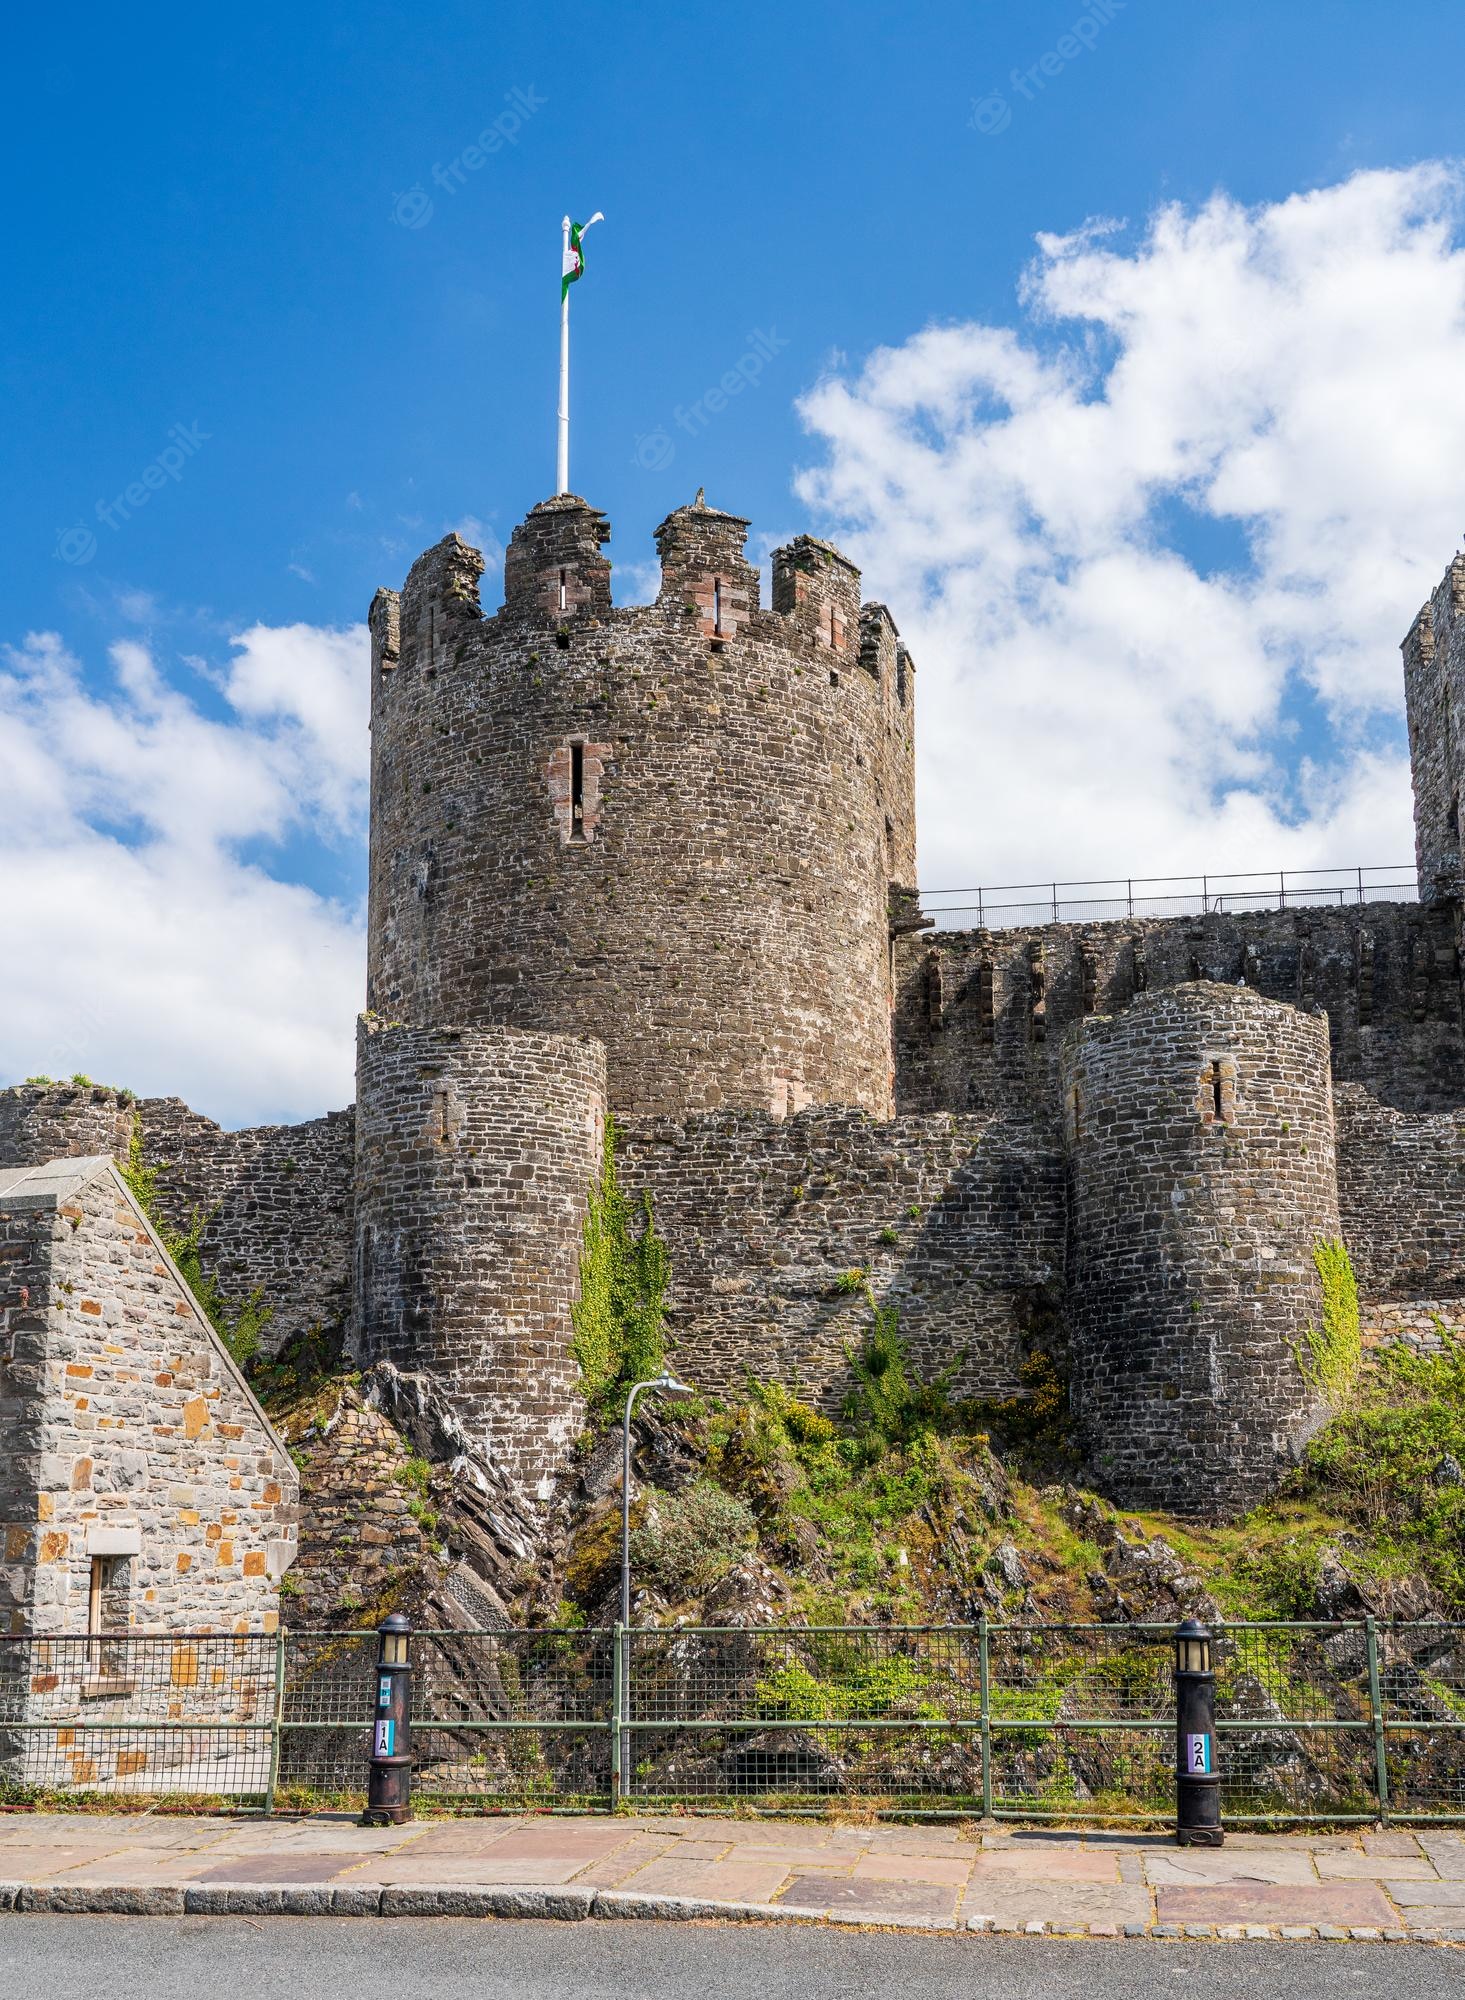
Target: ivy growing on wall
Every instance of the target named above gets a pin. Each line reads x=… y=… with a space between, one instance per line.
x=241 y=1327
x=620 y=1315
x=1334 y=1350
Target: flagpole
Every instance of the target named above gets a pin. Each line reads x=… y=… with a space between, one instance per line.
x=562 y=463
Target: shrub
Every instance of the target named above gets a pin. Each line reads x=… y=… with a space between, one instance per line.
x=693 y=1539
x=1334 y=1350
x=624 y=1270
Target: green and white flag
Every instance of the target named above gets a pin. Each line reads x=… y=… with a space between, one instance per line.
x=574 y=258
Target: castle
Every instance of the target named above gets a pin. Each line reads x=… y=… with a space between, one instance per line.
x=655 y=862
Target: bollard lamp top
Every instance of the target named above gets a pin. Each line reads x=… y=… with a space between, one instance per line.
x=1192 y=1648
x=395 y=1633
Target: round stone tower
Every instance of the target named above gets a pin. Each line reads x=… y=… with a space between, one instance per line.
x=672 y=826
x=1200 y=1142
x=475 y=1152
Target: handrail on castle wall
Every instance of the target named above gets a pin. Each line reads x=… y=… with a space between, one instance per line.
x=1172 y=895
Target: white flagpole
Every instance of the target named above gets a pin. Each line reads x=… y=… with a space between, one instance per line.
x=562 y=463
x=562 y=457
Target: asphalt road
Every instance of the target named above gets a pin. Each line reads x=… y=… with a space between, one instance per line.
x=328 y=1958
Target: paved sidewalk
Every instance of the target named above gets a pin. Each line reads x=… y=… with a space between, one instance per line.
x=1376 y=1886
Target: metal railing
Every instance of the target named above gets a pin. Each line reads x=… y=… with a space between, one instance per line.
x=1008 y=904
x=1337 y=1723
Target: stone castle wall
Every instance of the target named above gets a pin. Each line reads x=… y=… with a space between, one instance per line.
x=958 y=1221
x=123 y=1416
x=1200 y=1136
x=671 y=826
x=53 y=1121
x=278 y=1204
x=1401 y=1192
x=981 y=1015
x=1434 y=698
x=475 y=1153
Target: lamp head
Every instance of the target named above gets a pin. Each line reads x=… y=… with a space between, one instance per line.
x=1192 y=1648
x=669 y=1386
x=395 y=1633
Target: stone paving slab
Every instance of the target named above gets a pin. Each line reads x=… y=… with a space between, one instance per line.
x=1276 y=1903
x=1370 y=1885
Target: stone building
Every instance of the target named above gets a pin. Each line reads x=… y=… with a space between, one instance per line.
x=142 y=1488
x=657 y=861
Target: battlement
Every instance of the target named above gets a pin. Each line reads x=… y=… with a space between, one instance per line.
x=553 y=568
x=818 y=590
x=703 y=566
x=439 y=598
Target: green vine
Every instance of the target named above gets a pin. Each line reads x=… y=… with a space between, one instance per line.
x=624 y=1269
x=239 y=1328
x=1334 y=1351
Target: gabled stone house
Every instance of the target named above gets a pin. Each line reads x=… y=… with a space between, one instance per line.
x=142 y=1487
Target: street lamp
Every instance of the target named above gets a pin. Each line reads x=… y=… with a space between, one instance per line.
x=1197 y=1785
x=389 y=1788
x=660 y=1385
x=678 y=1392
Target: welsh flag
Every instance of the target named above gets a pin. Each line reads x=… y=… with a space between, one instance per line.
x=574 y=262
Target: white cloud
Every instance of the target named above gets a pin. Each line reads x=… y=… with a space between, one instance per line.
x=156 y=953
x=1284 y=385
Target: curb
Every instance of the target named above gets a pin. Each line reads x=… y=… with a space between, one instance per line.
x=566 y=1904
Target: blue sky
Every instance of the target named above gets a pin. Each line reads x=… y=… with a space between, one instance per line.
x=252 y=248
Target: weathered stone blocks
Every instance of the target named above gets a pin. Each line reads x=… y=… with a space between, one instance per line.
x=475 y=1152
x=1200 y=1141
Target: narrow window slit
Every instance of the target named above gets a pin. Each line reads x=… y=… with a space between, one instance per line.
x=577 y=791
x=564 y=593
x=717 y=605
x=1216 y=1099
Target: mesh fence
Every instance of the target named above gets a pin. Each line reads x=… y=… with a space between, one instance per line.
x=189 y=1715
x=1072 y=1722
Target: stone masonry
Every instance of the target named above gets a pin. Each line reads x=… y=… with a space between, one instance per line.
x=694 y=811
x=1199 y=1126
x=660 y=859
x=131 y=1437
x=476 y=1149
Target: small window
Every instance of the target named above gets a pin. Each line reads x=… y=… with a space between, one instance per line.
x=564 y=589
x=107 y=1609
x=717 y=605
x=577 y=791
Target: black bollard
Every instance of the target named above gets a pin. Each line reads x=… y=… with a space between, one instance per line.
x=389 y=1787
x=1197 y=1782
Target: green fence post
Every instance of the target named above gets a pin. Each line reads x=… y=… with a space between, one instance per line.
x=985 y=1696
x=1375 y=1702
x=617 y=1713
x=276 y=1720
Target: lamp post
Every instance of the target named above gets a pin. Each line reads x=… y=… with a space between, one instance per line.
x=1197 y=1784
x=389 y=1788
x=678 y=1392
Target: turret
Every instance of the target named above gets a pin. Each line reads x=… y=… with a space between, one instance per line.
x=672 y=825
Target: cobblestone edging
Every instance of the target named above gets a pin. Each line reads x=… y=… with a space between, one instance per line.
x=568 y=1904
